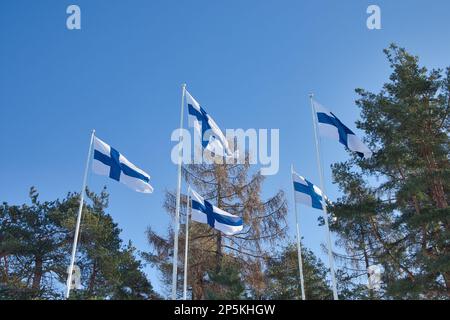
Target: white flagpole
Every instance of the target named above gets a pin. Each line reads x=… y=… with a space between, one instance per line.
x=186 y=245
x=177 y=209
x=325 y=214
x=299 y=246
x=80 y=208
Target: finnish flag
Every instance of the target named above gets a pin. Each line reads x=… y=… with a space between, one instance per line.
x=306 y=192
x=212 y=137
x=109 y=162
x=330 y=126
x=204 y=212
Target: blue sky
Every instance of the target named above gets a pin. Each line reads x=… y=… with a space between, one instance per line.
x=250 y=63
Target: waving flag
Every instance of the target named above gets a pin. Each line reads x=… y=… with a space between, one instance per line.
x=306 y=192
x=330 y=126
x=109 y=162
x=212 y=137
x=205 y=212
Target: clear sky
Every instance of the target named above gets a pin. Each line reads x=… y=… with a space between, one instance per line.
x=250 y=63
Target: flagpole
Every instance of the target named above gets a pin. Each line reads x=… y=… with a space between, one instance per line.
x=177 y=209
x=80 y=208
x=186 y=245
x=299 y=246
x=324 y=207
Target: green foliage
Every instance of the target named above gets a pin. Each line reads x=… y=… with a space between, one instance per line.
x=284 y=280
x=226 y=283
x=35 y=246
x=403 y=221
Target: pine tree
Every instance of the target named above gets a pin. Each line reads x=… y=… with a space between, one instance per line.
x=283 y=276
x=227 y=283
x=403 y=222
x=35 y=245
x=31 y=248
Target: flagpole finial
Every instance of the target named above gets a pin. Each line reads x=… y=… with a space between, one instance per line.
x=311 y=95
x=183 y=85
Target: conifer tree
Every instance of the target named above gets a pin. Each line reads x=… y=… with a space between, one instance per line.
x=233 y=188
x=283 y=276
x=403 y=221
x=35 y=245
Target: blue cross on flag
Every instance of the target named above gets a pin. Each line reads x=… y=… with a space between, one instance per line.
x=212 y=137
x=330 y=126
x=306 y=192
x=204 y=212
x=109 y=162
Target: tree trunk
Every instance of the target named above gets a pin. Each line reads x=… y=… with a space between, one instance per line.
x=92 y=279
x=36 y=285
x=6 y=271
x=437 y=187
x=367 y=263
x=219 y=251
x=198 y=288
